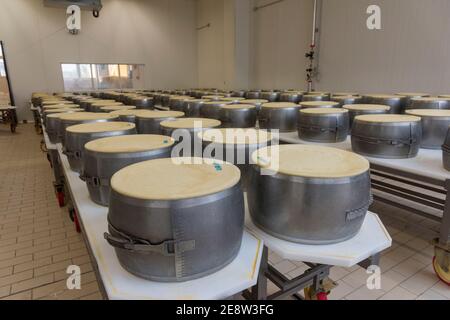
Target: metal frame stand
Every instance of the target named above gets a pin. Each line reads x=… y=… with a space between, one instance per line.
x=439 y=187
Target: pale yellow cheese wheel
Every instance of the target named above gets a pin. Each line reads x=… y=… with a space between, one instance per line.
x=132 y=112
x=107 y=104
x=412 y=94
x=429 y=113
x=429 y=99
x=323 y=111
x=311 y=161
x=232 y=99
x=60 y=106
x=366 y=107
x=59 y=114
x=384 y=96
x=87 y=116
x=239 y=106
x=387 y=118
x=345 y=94
x=254 y=101
x=130 y=143
x=160 y=114
x=115 y=108
x=97 y=127
x=318 y=104
x=212 y=97
x=53 y=102
x=236 y=136
x=167 y=179
x=191 y=123
x=63 y=110
x=280 y=105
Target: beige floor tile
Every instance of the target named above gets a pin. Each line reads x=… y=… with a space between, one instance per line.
x=420 y=282
x=357 y=278
x=442 y=289
x=32 y=283
x=398 y=293
x=363 y=293
x=4 y=291
x=390 y=280
x=337 y=273
x=285 y=266
x=431 y=295
x=19 y=296
x=343 y=289
x=409 y=267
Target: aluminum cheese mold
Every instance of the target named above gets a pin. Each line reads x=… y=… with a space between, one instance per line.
x=174 y=220
x=387 y=136
x=309 y=194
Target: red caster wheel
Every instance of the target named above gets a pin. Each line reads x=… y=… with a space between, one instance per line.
x=61 y=198
x=322 y=296
x=77 y=223
x=443 y=275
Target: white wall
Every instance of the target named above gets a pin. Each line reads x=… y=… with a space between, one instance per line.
x=158 y=33
x=410 y=53
x=281 y=37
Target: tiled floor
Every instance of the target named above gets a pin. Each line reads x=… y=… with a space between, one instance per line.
x=38 y=241
x=37 y=238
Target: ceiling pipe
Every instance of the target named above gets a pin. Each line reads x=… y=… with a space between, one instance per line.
x=311 y=72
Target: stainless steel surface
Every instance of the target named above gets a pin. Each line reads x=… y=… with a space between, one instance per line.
x=294 y=97
x=238 y=118
x=308 y=210
x=270 y=96
x=143 y=103
x=397 y=140
x=151 y=125
x=446 y=152
x=99 y=167
x=74 y=145
x=344 y=100
x=283 y=119
x=177 y=103
x=324 y=128
x=395 y=102
x=315 y=97
x=212 y=224
x=434 y=131
x=211 y=109
x=253 y=95
x=427 y=103
x=191 y=108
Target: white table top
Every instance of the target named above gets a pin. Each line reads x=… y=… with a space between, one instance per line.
x=372 y=239
x=48 y=144
x=428 y=163
x=238 y=276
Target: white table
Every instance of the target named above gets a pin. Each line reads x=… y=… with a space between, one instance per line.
x=238 y=276
x=427 y=163
x=424 y=172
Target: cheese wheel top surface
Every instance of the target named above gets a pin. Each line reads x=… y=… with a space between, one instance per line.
x=63 y=110
x=175 y=179
x=236 y=136
x=160 y=114
x=429 y=113
x=326 y=111
x=280 y=105
x=97 y=127
x=59 y=114
x=130 y=143
x=239 y=106
x=191 y=123
x=128 y=112
x=87 y=116
x=387 y=118
x=412 y=94
x=311 y=161
x=254 y=101
x=384 y=96
x=318 y=104
x=115 y=108
x=60 y=106
x=367 y=107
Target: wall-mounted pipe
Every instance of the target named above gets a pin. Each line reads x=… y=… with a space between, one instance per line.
x=256 y=8
x=204 y=27
x=312 y=55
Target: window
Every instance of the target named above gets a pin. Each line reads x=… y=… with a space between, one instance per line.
x=90 y=77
